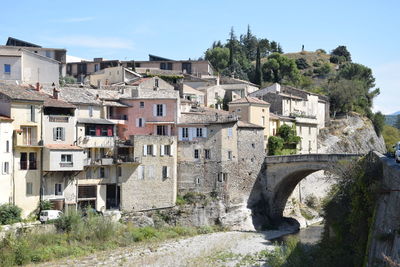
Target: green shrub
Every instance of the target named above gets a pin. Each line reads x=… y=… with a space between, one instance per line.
x=45 y=205
x=180 y=200
x=67 y=222
x=275 y=145
x=9 y=214
x=311 y=201
x=193 y=197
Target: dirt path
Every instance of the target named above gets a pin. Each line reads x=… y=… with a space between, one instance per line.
x=215 y=249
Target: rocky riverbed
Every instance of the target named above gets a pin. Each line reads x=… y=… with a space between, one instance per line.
x=216 y=249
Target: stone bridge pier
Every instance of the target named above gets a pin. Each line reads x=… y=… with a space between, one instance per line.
x=283 y=173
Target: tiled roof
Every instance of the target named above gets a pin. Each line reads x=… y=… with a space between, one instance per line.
x=249 y=99
x=206 y=116
x=190 y=90
x=242 y=124
x=94 y=121
x=20 y=93
x=77 y=95
x=4 y=118
x=63 y=147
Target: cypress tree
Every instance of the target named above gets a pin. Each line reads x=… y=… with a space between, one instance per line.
x=231 y=48
x=258 y=74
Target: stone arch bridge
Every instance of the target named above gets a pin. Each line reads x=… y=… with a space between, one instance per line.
x=283 y=173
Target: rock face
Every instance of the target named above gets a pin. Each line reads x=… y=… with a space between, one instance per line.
x=351 y=134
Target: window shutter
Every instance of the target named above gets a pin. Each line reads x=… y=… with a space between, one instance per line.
x=98 y=131
x=162 y=150
x=164 y=107
x=140 y=172
x=145 y=150
x=137 y=122
x=205 y=132
x=63 y=133
x=180 y=130
x=110 y=130
x=154 y=150
x=54 y=133
x=172 y=150
x=168 y=172
x=154 y=110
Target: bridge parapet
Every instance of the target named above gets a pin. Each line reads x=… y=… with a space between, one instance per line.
x=309 y=158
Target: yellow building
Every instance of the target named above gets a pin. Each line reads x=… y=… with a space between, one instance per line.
x=253 y=110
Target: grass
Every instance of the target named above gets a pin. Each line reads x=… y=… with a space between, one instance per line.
x=78 y=237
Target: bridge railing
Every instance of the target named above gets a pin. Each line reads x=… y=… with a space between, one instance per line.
x=310 y=157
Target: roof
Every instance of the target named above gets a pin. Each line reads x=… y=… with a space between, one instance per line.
x=11 y=41
x=77 y=95
x=230 y=80
x=249 y=100
x=109 y=103
x=273 y=116
x=242 y=124
x=94 y=121
x=207 y=116
x=190 y=90
x=139 y=81
x=63 y=147
x=157 y=58
x=4 y=118
x=20 y=93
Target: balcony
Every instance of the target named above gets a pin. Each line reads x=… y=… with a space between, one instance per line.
x=107 y=161
x=99 y=162
x=128 y=159
x=26 y=137
x=28 y=165
x=59 y=118
x=66 y=164
x=122 y=119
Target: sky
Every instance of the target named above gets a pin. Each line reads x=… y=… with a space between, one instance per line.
x=185 y=29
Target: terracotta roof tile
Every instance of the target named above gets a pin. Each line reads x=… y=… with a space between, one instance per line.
x=249 y=99
x=63 y=147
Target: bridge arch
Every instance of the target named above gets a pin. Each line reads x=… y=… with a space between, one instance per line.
x=283 y=173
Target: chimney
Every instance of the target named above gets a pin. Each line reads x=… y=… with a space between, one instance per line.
x=37 y=86
x=55 y=93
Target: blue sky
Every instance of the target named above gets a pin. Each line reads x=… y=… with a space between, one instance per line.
x=185 y=29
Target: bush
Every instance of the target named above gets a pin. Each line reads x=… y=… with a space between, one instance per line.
x=10 y=214
x=180 y=200
x=378 y=120
x=67 y=222
x=45 y=205
x=275 y=145
x=311 y=201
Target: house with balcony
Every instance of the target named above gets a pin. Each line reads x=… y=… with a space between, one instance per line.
x=24 y=106
x=6 y=159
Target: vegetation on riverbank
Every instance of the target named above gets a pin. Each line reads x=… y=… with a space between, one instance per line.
x=77 y=236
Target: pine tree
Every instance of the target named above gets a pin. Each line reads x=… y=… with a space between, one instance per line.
x=258 y=74
x=232 y=39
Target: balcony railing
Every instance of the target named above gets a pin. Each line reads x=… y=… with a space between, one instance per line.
x=127 y=159
x=57 y=118
x=66 y=164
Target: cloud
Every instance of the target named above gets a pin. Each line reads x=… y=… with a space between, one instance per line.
x=92 y=42
x=388 y=80
x=73 y=20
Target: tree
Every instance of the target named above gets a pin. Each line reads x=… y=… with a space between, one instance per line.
x=301 y=63
x=280 y=69
x=343 y=94
x=250 y=44
x=378 y=121
x=258 y=72
x=218 y=57
x=275 y=145
x=231 y=44
x=340 y=55
x=323 y=71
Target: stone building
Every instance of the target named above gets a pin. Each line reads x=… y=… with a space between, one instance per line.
x=252 y=110
x=307 y=111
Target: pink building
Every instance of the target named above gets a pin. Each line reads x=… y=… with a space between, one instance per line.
x=153 y=109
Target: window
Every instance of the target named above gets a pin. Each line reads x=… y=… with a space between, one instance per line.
x=6 y=167
x=28 y=135
x=7 y=68
x=196 y=154
x=164 y=172
x=263 y=121
x=222 y=177
x=119 y=171
x=230 y=133
x=160 y=110
x=58 y=134
x=23 y=161
x=229 y=155
x=99 y=130
x=96 y=67
x=149 y=150
x=32 y=161
x=7 y=146
x=90 y=111
x=102 y=172
x=197 y=181
x=199 y=132
x=32 y=113
x=185 y=132
x=156 y=82
x=140 y=122
x=29 y=188
x=58 y=189
x=162 y=130
x=104 y=131
x=167 y=150
x=141 y=170
x=207 y=154
x=238 y=110
x=141 y=105
x=67 y=158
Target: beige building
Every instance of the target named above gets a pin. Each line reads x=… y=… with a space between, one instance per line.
x=253 y=110
x=6 y=159
x=22 y=66
x=193 y=95
x=25 y=107
x=112 y=75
